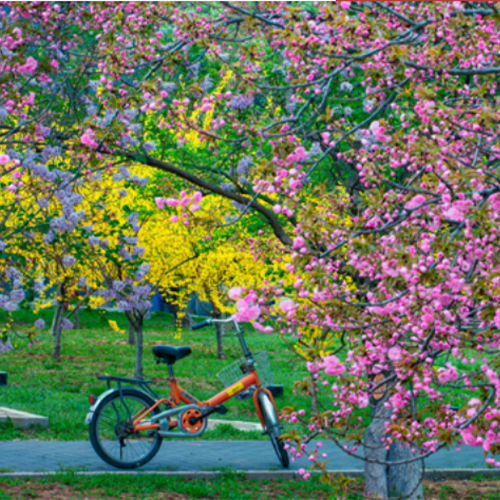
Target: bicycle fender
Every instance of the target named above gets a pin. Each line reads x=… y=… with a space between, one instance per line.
x=256 y=402
x=93 y=408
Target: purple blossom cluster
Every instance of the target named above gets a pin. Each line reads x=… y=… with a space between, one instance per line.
x=240 y=102
x=244 y=165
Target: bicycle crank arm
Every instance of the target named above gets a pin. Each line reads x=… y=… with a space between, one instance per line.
x=174 y=411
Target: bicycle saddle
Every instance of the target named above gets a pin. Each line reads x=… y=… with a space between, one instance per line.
x=171 y=354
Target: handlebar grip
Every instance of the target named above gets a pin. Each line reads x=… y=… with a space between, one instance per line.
x=197 y=326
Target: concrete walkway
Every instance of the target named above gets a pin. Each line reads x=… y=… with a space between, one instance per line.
x=51 y=456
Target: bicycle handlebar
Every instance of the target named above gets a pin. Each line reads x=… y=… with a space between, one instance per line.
x=197 y=326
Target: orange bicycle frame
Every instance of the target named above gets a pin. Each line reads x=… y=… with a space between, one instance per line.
x=179 y=395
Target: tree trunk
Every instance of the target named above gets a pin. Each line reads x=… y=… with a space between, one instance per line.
x=139 y=348
x=406 y=479
x=131 y=333
x=220 y=332
x=57 y=330
x=76 y=319
x=5 y=346
x=184 y=321
x=382 y=480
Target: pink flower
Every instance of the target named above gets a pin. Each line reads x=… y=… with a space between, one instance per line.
x=378 y=132
x=88 y=139
x=185 y=201
x=206 y=107
x=54 y=64
x=172 y=202
x=234 y=293
x=262 y=328
x=287 y=305
x=29 y=67
x=395 y=353
x=333 y=366
x=453 y=214
x=195 y=207
x=300 y=154
x=415 y=201
x=345 y=5
x=160 y=203
x=314 y=366
x=197 y=196
x=469 y=439
x=277 y=209
x=4 y=159
x=174 y=218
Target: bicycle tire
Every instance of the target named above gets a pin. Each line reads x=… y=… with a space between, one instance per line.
x=129 y=395
x=273 y=429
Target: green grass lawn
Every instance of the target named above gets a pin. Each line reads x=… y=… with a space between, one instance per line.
x=59 y=390
x=228 y=485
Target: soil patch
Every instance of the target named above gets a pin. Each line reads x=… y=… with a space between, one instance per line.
x=62 y=492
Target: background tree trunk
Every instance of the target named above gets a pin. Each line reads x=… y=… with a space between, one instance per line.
x=385 y=481
x=139 y=348
x=220 y=332
x=76 y=319
x=131 y=333
x=57 y=330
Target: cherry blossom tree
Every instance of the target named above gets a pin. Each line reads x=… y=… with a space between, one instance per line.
x=394 y=104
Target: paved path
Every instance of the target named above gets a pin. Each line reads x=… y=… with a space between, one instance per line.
x=30 y=456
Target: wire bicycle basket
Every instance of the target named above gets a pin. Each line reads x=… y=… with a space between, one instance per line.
x=233 y=373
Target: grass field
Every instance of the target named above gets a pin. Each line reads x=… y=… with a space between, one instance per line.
x=60 y=390
x=229 y=485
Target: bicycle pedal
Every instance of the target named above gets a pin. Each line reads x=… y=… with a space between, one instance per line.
x=221 y=409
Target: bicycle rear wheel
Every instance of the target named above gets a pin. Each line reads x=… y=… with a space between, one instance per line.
x=273 y=428
x=112 y=435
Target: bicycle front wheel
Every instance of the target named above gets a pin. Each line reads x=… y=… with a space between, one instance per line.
x=112 y=435
x=273 y=428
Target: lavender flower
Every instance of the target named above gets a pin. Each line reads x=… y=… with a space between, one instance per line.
x=290 y=107
x=82 y=281
x=244 y=165
x=66 y=324
x=368 y=104
x=119 y=286
x=93 y=240
x=42 y=203
x=123 y=193
x=130 y=240
x=348 y=111
x=17 y=295
x=149 y=146
x=2 y=245
x=59 y=225
x=104 y=243
x=38 y=286
x=227 y=186
x=139 y=251
x=207 y=84
x=315 y=149
x=130 y=114
x=68 y=261
x=40 y=323
x=6 y=52
x=135 y=128
x=50 y=152
x=125 y=254
x=125 y=306
x=243 y=180
x=240 y=102
x=168 y=87
x=193 y=70
x=4 y=114
x=124 y=171
x=117 y=178
x=49 y=238
x=133 y=217
x=346 y=87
